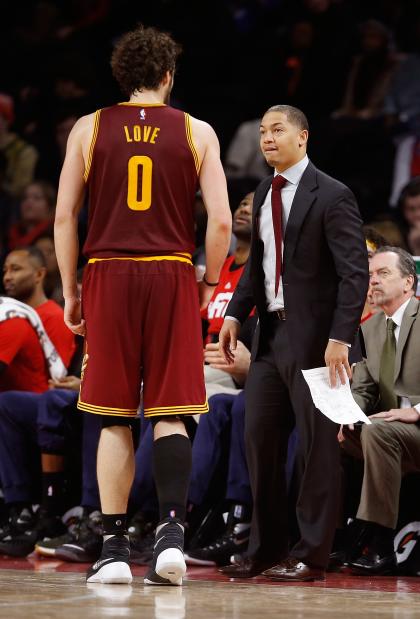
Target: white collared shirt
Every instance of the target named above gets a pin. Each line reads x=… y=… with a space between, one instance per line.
x=266 y=231
x=397 y=317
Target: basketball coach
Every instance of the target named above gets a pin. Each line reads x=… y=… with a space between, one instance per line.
x=308 y=276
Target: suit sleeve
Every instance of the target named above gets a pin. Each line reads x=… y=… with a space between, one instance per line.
x=343 y=228
x=364 y=389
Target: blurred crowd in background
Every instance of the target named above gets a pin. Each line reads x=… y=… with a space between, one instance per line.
x=351 y=65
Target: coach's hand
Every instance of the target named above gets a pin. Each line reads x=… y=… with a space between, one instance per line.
x=73 y=316
x=228 y=337
x=337 y=360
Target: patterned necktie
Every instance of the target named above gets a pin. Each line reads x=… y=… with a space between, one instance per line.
x=277 y=212
x=386 y=369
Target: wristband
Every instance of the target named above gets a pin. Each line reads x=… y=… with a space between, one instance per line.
x=209 y=283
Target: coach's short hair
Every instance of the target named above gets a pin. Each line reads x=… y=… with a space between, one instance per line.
x=293 y=114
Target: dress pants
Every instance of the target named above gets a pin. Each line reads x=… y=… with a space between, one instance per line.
x=277 y=398
x=389 y=449
x=30 y=423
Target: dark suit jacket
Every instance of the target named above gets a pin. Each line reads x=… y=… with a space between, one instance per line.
x=325 y=267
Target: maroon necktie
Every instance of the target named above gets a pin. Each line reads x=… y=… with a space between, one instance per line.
x=276 y=208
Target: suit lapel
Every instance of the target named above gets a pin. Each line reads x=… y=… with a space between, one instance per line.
x=260 y=197
x=407 y=322
x=304 y=198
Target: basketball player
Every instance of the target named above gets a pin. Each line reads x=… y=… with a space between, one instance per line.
x=142 y=162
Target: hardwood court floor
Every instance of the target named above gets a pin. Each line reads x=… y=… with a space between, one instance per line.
x=44 y=589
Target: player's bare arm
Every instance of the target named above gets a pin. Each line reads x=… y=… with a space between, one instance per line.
x=71 y=193
x=215 y=196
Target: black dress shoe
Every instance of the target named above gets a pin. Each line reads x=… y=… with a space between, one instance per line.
x=245 y=568
x=294 y=570
x=337 y=560
x=374 y=564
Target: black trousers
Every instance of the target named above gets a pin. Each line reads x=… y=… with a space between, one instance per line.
x=277 y=397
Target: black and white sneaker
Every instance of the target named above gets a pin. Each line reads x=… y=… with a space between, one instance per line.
x=234 y=541
x=168 y=565
x=86 y=545
x=27 y=530
x=112 y=567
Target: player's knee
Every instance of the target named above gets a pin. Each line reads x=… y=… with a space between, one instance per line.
x=109 y=421
x=171 y=419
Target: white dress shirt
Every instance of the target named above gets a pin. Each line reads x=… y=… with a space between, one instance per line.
x=293 y=176
x=397 y=317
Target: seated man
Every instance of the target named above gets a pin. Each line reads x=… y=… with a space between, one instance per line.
x=219 y=378
x=31 y=423
x=24 y=363
x=386 y=385
x=35 y=345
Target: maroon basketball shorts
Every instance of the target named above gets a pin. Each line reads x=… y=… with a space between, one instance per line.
x=142 y=324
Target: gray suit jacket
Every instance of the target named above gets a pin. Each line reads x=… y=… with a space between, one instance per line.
x=365 y=385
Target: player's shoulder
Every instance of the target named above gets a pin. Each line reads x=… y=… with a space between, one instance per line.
x=202 y=127
x=83 y=124
x=84 y=121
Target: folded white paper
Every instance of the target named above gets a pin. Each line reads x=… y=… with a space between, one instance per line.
x=335 y=403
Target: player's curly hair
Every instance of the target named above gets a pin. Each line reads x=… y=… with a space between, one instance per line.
x=142 y=57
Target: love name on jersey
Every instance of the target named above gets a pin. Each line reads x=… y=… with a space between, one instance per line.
x=141 y=133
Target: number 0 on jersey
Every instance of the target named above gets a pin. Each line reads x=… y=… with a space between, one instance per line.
x=133 y=183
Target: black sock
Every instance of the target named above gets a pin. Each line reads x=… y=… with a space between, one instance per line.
x=172 y=467
x=114 y=524
x=52 y=492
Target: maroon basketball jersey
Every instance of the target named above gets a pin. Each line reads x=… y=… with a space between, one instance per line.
x=142 y=176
